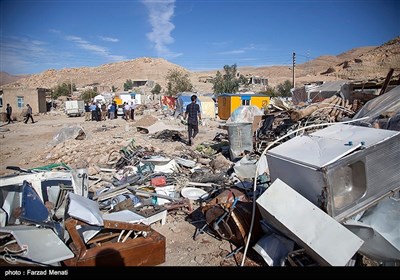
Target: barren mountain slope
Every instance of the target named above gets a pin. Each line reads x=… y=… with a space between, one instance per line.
x=358 y=63
x=6 y=78
x=373 y=63
x=116 y=74
x=354 y=53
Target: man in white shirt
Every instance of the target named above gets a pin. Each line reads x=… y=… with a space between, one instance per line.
x=127 y=110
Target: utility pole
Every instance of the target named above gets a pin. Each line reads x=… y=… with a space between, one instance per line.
x=70 y=81
x=294 y=64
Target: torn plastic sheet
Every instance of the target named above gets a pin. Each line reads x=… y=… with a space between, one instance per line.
x=246 y=168
x=383 y=105
x=72 y=132
x=379 y=227
x=244 y=113
x=42 y=245
x=274 y=248
x=84 y=209
x=170 y=167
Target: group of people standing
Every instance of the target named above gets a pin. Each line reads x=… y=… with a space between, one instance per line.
x=94 y=112
x=101 y=111
x=129 y=111
x=28 y=114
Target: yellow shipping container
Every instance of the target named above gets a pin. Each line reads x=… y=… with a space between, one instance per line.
x=227 y=103
x=118 y=101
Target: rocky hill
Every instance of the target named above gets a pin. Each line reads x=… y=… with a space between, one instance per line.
x=6 y=78
x=372 y=63
x=359 y=63
x=113 y=74
x=356 y=64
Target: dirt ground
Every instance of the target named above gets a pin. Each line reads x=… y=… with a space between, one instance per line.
x=27 y=146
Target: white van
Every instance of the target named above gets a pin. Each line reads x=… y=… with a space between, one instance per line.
x=74 y=108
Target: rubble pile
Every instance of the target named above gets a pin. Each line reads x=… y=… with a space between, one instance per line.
x=311 y=190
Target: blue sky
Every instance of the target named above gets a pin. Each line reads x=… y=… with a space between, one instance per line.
x=198 y=35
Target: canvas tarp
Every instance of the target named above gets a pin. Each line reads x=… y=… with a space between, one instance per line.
x=99 y=98
x=207 y=107
x=168 y=101
x=386 y=105
x=181 y=103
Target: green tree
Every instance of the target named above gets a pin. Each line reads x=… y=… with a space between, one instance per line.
x=128 y=85
x=178 y=81
x=284 y=88
x=156 y=89
x=228 y=82
x=269 y=91
x=65 y=89
x=218 y=82
x=88 y=95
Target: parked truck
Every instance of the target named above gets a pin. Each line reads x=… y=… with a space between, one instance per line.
x=74 y=108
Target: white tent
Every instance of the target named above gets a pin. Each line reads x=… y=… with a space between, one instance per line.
x=99 y=98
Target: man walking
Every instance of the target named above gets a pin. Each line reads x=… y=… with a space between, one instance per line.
x=193 y=116
x=8 y=113
x=29 y=114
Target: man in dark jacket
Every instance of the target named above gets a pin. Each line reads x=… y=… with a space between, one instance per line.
x=8 y=113
x=193 y=116
x=88 y=113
